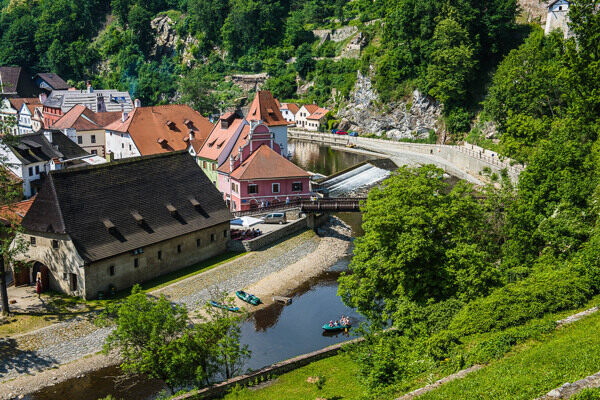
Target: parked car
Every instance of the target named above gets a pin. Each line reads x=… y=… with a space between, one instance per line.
x=353 y=134
x=275 y=218
x=341 y=132
x=334 y=131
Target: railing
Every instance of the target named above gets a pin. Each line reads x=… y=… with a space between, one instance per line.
x=304 y=205
x=423 y=148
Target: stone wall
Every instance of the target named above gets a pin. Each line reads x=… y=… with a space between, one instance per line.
x=268 y=238
x=195 y=247
x=221 y=389
x=336 y=35
x=248 y=83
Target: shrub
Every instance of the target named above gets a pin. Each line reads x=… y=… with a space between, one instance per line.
x=544 y=291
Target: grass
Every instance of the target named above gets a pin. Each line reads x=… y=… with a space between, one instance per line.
x=533 y=368
x=60 y=307
x=340 y=374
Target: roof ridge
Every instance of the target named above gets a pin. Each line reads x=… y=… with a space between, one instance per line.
x=121 y=161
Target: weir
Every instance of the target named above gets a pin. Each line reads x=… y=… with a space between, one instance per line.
x=361 y=175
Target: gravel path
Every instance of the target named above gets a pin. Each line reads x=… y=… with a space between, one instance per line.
x=69 y=341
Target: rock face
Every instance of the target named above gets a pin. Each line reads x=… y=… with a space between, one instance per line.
x=336 y=35
x=410 y=119
x=166 y=40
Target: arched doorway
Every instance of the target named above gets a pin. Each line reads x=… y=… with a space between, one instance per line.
x=44 y=272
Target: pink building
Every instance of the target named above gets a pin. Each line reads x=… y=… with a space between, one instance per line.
x=257 y=174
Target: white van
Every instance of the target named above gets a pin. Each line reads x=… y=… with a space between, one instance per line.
x=275 y=218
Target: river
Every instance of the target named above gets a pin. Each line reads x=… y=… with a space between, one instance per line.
x=274 y=333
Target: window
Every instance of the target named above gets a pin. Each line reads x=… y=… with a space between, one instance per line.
x=252 y=189
x=79 y=140
x=179 y=248
x=233 y=188
x=275 y=188
x=297 y=187
x=30 y=171
x=225 y=233
x=55 y=244
x=212 y=237
x=136 y=262
x=198 y=242
x=95 y=152
x=37 y=169
x=159 y=255
x=93 y=138
x=32 y=241
x=214 y=167
x=129 y=147
x=111 y=270
x=122 y=145
x=204 y=164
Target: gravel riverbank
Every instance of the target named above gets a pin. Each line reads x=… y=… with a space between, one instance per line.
x=43 y=358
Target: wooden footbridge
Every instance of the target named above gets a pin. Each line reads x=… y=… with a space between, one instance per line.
x=331 y=205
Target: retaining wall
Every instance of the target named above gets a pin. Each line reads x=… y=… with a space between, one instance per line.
x=469 y=159
x=221 y=389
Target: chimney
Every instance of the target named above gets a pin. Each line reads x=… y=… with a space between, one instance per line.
x=241 y=155
x=231 y=164
x=192 y=135
x=89 y=87
x=124 y=114
x=137 y=103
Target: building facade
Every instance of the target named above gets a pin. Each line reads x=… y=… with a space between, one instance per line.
x=558 y=17
x=265 y=109
x=151 y=216
x=303 y=113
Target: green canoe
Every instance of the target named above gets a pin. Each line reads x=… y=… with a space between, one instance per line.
x=337 y=327
x=248 y=298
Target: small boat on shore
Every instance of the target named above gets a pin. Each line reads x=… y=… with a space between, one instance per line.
x=336 y=327
x=248 y=298
x=224 y=306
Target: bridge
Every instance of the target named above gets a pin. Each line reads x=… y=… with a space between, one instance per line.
x=329 y=205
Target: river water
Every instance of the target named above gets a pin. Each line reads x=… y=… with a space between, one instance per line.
x=274 y=333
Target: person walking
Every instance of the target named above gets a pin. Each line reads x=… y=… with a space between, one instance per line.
x=38 y=284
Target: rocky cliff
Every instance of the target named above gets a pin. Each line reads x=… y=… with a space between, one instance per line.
x=410 y=119
x=168 y=42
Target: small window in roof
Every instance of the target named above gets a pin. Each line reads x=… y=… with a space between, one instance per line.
x=162 y=141
x=270 y=111
x=138 y=218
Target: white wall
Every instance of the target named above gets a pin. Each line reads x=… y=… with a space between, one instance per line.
x=121 y=145
x=558 y=18
x=288 y=115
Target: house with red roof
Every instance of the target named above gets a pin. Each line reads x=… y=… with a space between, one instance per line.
x=257 y=173
x=215 y=150
x=155 y=130
x=289 y=110
x=265 y=109
x=86 y=128
x=310 y=117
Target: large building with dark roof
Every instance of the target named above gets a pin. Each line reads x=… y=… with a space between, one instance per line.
x=95 y=228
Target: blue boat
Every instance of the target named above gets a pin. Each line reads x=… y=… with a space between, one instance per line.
x=224 y=306
x=336 y=327
x=248 y=298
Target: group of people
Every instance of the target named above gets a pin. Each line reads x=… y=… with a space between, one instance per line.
x=344 y=321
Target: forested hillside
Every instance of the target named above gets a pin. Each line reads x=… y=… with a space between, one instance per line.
x=446 y=49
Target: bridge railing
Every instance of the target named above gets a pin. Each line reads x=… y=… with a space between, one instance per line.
x=419 y=147
x=333 y=204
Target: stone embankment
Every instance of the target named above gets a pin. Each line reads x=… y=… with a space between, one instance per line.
x=61 y=347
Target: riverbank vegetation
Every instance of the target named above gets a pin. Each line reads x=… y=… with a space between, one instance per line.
x=441 y=264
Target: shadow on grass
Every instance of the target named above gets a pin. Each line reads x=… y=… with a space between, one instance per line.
x=20 y=361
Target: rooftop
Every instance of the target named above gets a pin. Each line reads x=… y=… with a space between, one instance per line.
x=82 y=118
x=53 y=80
x=95 y=100
x=265 y=108
x=128 y=204
x=220 y=137
x=35 y=147
x=14 y=213
x=162 y=129
x=266 y=163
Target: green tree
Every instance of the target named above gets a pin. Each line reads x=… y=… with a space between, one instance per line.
x=139 y=24
x=295 y=32
x=196 y=88
x=452 y=64
x=12 y=245
x=207 y=16
x=423 y=242
x=283 y=87
x=305 y=62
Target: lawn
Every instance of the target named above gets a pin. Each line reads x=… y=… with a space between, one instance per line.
x=534 y=368
x=341 y=382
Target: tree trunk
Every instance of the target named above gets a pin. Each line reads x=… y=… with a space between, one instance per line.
x=3 y=291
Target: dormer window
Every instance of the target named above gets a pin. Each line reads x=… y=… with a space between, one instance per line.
x=188 y=123
x=170 y=124
x=138 y=218
x=162 y=141
x=172 y=209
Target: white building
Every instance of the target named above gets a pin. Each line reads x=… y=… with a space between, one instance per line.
x=558 y=17
x=289 y=110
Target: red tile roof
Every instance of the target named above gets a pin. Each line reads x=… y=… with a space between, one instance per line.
x=14 y=213
x=17 y=103
x=211 y=149
x=149 y=125
x=266 y=108
x=318 y=114
x=311 y=108
x=266 y=163
x=82 y=118
x=293 y=108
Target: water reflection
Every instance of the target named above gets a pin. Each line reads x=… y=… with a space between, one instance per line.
x=323 y=159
